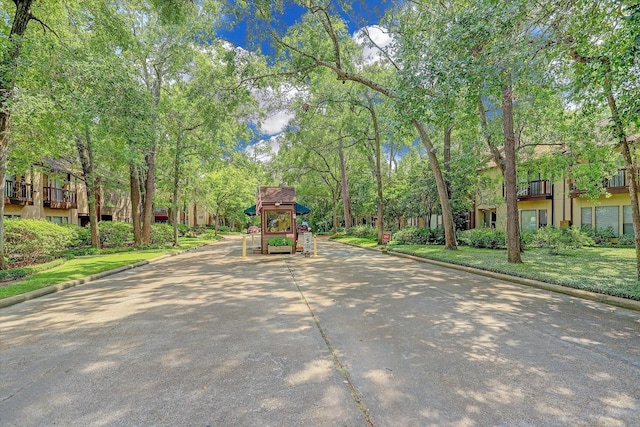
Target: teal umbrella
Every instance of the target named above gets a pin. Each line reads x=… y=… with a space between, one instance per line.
x=300 y=210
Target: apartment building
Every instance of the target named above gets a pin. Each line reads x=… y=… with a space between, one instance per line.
x=53 y=193
x=543 y=202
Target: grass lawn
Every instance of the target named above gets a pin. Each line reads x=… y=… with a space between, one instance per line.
x=606 y=270
x=92 y=264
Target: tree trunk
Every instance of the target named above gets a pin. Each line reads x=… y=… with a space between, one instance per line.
x=150 y=159
x=174 y=206
x=3 y=183
x=85 y=153
x=630 y=169
x=134 y=181
x=149 y=187
x=447 y=150
x=335 y=213
x=378 y=169
x=346 y=201
x=510 y=175
x=495 y=153
x=176 y=181
x=447 y=215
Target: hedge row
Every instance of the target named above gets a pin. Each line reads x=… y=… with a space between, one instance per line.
x=551 y=238
x=31 y=241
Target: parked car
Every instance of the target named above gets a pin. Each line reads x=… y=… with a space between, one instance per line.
x=253 y=229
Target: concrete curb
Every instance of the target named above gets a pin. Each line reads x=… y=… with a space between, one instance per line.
x=16 y=299
x=577 y=293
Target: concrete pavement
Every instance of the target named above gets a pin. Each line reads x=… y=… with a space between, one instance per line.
x=349 y=338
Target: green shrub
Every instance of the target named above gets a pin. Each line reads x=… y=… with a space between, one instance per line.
x=363 y=231
x=600 y=236
x=280 y=241
x=183 y=230
x=627 y=240
x=161 y=234
x=115 y=234
x=197 y=230
x=419 y=236
x=489 y=238
x=411 y=236
x=28 y=241
x=437 y=237
x=527 y=237
x=81 y=236
x=556 y=239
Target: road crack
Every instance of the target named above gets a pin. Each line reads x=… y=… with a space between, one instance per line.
x=336 y=360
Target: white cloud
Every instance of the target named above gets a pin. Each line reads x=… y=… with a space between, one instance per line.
x=276 y=103
x=373 y=38
x=276 y=123
x=265 y=149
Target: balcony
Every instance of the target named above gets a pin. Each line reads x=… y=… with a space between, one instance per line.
x=161 y=215
x=533 y=190
x=619 y=183
x=18 y=193
x=59 y=198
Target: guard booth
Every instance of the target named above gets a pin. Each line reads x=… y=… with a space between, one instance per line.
x=276 y=207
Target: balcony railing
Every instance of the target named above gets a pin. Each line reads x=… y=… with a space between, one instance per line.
x=18 y=192
x=59 y=198
x=539 y=189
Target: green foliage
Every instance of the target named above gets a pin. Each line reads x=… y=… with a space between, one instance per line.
x=161 y=234
x=19 y=273
x=419 y=236
x=183 y=230
x=81 y=236
x=29 y=241
x=490 y=238
x=115 y=234
x=280 y=241
x=600 y=236
x=555 y=239
x=626 y=240
x=363 y=231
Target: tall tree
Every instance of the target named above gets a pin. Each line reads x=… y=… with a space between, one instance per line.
x=321 y=41
x=8 y=66
x=602 y=39
x=162 y=48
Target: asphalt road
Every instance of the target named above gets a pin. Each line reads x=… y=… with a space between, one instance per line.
x=348 y=338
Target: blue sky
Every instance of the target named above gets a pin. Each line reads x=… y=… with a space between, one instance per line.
x=363 y=13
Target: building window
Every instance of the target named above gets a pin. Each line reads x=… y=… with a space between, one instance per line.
x=489 y=219
x=278 y=221
x=627 y=221
x=542 y=218
x=608 y=216
x=586 y=218
x=528 y=220
x=57 y=219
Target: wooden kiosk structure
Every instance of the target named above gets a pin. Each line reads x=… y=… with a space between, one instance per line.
x=276 y=207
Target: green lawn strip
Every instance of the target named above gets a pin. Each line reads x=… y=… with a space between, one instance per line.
x=365 y=242
x=604 y=270
x=92 y=264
